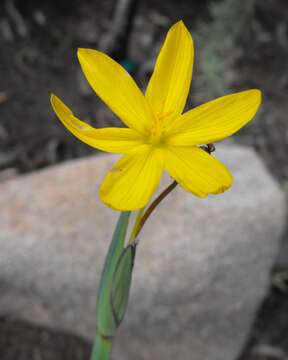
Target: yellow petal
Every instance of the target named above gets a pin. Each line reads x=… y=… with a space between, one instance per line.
x=196 y=171
x=132 y=181
x=113 y=84
x=116 y=140
x=169 y=85
x=214 y=120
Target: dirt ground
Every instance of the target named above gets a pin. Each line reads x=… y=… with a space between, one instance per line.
x=32 y=67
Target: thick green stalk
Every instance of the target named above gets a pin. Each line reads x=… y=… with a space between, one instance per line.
x=116 y=278
x=113 y=290
x=102 y=348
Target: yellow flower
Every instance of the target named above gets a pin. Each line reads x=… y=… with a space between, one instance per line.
x=158 y=136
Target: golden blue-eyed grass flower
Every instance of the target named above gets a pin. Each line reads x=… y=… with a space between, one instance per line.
x=158 y=137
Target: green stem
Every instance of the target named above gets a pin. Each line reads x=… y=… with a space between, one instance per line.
x=103 y=345
x=102 y=348
x=134 y=231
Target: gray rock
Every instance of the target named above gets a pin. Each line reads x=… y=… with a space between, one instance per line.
x=202 y=266
x=282 y=258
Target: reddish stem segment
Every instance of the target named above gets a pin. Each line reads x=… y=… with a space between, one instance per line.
x=153 y=205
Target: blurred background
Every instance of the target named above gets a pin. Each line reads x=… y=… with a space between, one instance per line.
x=238 y=45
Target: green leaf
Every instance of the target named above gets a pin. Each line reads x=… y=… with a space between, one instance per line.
x=106 y=323
x=122 y=282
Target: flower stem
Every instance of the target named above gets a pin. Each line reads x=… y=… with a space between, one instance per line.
x=102 y=348
x=134 y=231
x=103 y=345
x=141 y=220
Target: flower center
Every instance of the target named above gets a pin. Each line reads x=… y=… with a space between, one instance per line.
x=157 y=135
